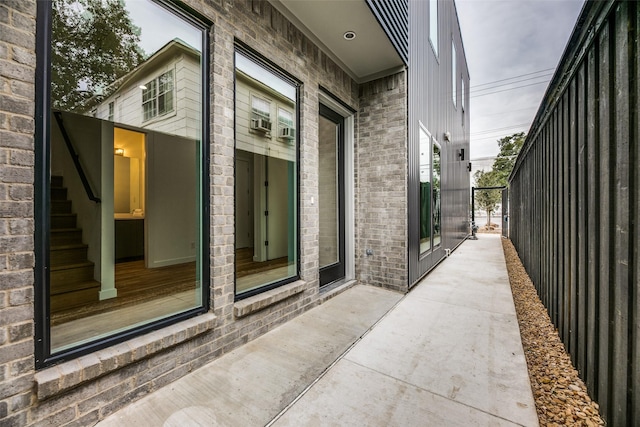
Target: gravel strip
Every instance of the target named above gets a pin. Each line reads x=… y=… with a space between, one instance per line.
x=561 y=396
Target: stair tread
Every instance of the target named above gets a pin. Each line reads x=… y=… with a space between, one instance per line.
x=71 y=266
x=85 y=284
x=70 y=288
x=68 y=246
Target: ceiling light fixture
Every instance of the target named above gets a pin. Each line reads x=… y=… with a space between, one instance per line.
x=349 y=35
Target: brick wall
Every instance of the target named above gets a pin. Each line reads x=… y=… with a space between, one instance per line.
x=381 y=183
x=84 y=390
x=17 y=71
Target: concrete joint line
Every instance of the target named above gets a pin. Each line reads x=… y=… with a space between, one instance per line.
x=334 y=363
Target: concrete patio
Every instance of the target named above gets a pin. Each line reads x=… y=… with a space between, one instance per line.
x=446 y=354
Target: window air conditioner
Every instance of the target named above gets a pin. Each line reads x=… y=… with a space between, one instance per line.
x=287 y=133
x=261 y=124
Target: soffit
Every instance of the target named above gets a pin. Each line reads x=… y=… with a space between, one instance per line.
x=369 y=55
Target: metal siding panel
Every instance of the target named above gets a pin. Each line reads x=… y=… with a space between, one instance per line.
x=428 y=79
x=393 y=17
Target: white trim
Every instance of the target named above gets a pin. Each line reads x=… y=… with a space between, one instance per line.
x=349 y=182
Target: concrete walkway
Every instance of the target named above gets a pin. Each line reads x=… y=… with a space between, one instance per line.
x=446 y=354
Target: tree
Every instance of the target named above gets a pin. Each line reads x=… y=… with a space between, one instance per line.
x=509 y=148
x=94 y=43
x=488 y=200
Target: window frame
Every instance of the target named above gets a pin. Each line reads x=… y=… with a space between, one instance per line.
x=454 y=74
x=433 y=29
x=154 y=100
x=42 y=167
x=422 y=129
x=260 y=60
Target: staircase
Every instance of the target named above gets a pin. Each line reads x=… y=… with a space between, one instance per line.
x=71 y=273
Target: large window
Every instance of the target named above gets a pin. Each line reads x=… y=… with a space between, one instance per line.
x=122 y=217
x=433 y=25
x=454 y=74
x=266 y=181
x=430 y=187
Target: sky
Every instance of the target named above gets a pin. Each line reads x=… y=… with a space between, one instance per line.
x=157 y=27
x=514 y=43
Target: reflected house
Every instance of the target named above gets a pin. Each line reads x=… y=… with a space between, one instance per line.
x=161 y=94
x=262 y=158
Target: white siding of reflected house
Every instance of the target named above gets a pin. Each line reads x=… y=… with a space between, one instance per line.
x=183 y=120
x=255 y=141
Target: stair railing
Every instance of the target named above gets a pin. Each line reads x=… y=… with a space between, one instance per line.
x=76 y=159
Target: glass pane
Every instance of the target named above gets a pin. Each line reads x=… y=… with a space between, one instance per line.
x=266 y=178
x=436 y=193
x=134 y=255
x=433 y=24
x=328 y=192
x=425 y=191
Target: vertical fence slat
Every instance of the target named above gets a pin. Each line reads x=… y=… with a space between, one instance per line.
x=592 y=221
x=566 y=236
x=635 y=231
x=572 y=315
x=581 y=217
x=621 y=213
x=604 y=217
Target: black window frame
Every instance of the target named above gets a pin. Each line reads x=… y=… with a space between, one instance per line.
x=42 y=226
x=262 y=61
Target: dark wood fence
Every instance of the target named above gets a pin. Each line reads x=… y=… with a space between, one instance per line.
x=574 y=197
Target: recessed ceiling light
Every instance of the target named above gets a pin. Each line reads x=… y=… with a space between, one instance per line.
x=349 y=35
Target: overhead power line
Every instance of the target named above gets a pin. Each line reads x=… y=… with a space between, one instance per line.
x=512 y=83
x=511 y=78
x=498 y=129
x=505 y=90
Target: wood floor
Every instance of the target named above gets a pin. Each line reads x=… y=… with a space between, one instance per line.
x=245 y=265
x=147 y=294
x=135 y=284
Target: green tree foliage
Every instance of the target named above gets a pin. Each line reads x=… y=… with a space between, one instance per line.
x=488 y=200
x=94 y=43
x=509 y=148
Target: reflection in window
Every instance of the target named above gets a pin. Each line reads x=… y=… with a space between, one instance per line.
x=433 y=24
x=454 y=74
x=157 y=96
x=430 y=174
x=435 y=193
x=425 y=190
x=133 y=254
x=266 y=179
x=463 y=95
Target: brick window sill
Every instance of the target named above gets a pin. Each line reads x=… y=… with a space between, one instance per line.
x=67 y=375
x=258 y=302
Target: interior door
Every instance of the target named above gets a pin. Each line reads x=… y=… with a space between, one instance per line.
x=331 y=203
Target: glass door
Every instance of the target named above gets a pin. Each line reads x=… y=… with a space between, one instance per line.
x=331 y=203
